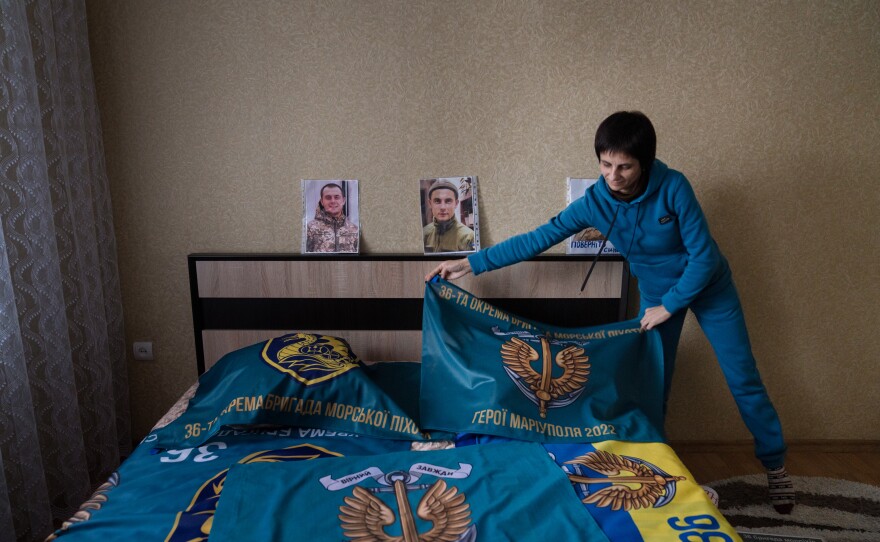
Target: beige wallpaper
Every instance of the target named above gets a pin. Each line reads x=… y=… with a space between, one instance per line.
x=213 y=112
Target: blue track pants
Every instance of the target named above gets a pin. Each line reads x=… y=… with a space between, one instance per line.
x=720 y=315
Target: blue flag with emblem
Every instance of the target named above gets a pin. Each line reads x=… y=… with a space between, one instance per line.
x=464 y=494
x=172 y=494
x=298 y=379
x=516 y=378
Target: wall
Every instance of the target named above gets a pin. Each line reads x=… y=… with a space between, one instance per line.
x=213 y=112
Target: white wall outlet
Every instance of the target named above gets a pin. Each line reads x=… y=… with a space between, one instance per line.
x=143 y=351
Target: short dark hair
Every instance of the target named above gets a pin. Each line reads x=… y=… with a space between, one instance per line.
x=321 y=194
x=629 y=132
x=330 y=185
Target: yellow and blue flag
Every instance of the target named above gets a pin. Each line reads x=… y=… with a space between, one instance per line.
x=636 y=491
x=641 y=491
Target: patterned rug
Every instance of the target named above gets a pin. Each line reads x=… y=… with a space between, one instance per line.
x=835 y=510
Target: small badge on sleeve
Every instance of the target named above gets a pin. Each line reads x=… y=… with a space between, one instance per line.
x=666 y=219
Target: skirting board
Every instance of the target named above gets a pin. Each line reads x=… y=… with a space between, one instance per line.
x=801 y=445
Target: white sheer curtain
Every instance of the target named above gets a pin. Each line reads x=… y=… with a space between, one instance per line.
x=64 y=417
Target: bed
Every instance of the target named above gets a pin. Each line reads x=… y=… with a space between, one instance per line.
x=313 y=418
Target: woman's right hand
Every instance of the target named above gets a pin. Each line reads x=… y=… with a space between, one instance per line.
x=451 y=269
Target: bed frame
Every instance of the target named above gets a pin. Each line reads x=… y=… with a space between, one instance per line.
x=375 y=301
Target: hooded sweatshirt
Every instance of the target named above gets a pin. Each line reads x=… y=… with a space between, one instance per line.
x=662 y=233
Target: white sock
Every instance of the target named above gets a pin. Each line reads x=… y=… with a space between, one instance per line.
x=781 y=490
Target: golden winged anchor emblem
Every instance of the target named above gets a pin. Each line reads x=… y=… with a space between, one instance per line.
x=541 y=387
x=364 y=516
x=635 y=483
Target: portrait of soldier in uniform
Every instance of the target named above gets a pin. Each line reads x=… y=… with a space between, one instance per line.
x=449 y=215
x=330 y=216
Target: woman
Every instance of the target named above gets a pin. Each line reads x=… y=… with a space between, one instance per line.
x=649 y=212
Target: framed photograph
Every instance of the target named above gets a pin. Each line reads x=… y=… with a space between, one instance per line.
x=587 y=241
x=450 y=224
x=330 y=216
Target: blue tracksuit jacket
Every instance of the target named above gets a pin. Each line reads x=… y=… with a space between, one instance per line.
x=664 y=236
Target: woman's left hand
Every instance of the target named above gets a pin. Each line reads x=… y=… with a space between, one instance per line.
x=654 y=316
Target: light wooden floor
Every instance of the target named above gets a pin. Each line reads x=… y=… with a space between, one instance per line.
x=856 y=461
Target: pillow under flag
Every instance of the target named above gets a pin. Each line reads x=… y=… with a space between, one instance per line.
x=298 y=379
x=488 y=371
x=513 y=492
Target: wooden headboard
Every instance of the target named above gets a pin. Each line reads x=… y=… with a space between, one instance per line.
x=375 y=301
